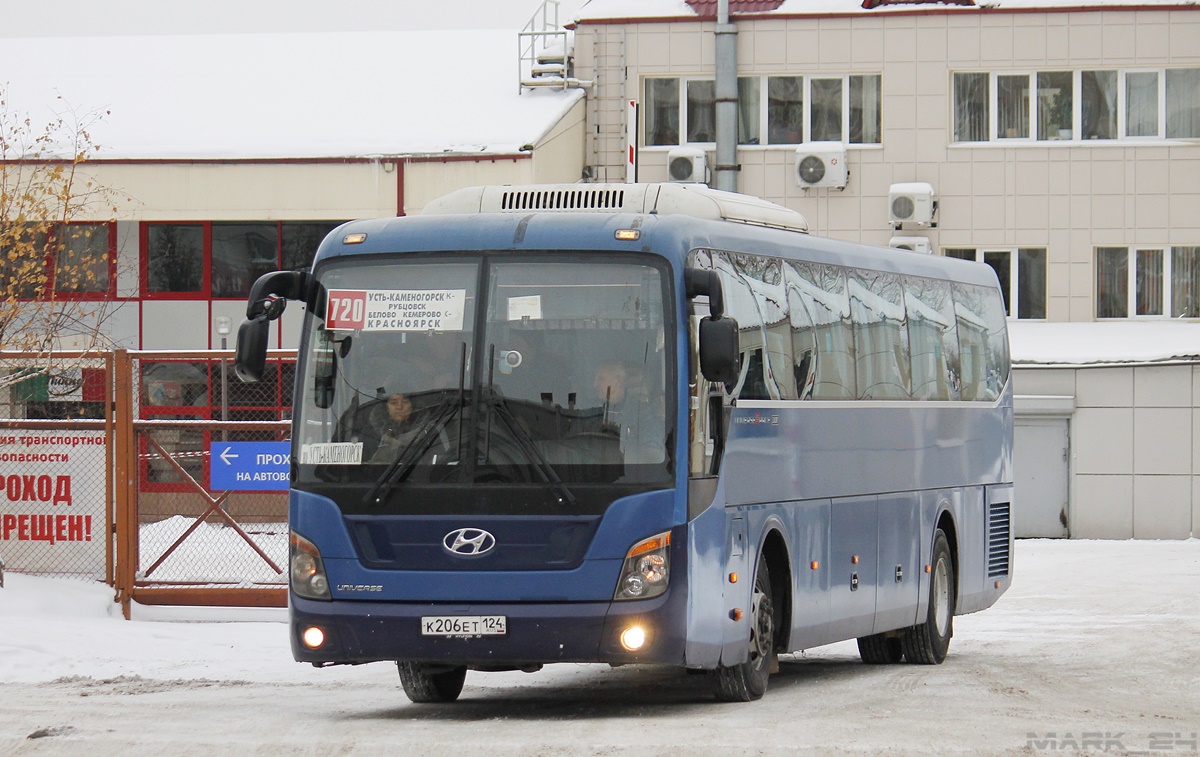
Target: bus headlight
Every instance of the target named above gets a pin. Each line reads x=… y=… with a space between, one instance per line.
x=646 y=570
x=307 y=570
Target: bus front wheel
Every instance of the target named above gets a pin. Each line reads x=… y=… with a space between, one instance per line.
x=747 y=681
x=426 y=684
x=928 y=642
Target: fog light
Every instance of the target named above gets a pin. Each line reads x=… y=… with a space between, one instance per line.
x=633 y=638
x=313 y=637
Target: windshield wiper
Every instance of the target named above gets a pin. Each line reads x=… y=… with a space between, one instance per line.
x=399 y=468
x=497 y=402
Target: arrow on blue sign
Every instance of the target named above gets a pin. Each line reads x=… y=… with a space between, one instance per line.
x=249 y=466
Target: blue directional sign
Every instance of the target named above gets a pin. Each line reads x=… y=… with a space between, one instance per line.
x=240 y=466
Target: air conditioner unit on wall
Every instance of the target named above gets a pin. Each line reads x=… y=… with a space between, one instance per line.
x=912 y=202
x=822 y=164
x=687 y=165
x=916 y=244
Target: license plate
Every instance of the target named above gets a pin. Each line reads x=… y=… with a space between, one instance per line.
x=464 y=625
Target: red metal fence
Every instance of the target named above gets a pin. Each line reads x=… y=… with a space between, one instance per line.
x=167 y=536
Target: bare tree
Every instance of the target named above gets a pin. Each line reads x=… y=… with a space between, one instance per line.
x=57 y=259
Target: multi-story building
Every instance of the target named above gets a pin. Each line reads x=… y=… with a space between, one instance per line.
x=1057 y=141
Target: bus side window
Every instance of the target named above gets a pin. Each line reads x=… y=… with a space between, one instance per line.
x=932 y=339
x=983 y=343
x=821 y=291
x=880 y=335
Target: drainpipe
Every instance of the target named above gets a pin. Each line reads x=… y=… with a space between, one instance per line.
x=727 y=95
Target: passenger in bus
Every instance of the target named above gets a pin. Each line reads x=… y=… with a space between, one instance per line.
x=630 y=410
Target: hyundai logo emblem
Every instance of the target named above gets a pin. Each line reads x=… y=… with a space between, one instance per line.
x=469 y=541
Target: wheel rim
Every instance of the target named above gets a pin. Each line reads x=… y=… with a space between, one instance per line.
x=762 y=628
x=941 y=597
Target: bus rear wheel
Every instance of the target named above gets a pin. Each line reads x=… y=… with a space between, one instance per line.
x=928 y=642
x=427 y=684
x=747 y=681
x=881 y=649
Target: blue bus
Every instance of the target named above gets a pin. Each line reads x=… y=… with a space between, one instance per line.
x=649 y=423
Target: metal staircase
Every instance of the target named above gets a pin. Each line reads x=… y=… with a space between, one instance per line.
x=544 y=51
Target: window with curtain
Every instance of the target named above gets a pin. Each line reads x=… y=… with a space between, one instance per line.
x=749 y=107
x=772 y=110
x=1012 y=106
x=1149 y=278
x=1141 y=104
x=785 y=110
x=701 y=111
x=1165 y=282
x=1098 y=92
x=1183 y=103
x=662 y=112
x=866 y=122
x=1077 y=105
x=825 y=110
x=971 y=104
x=1112 y=282
x=1022 y=275
x=1055 y=104
x=1185 y=282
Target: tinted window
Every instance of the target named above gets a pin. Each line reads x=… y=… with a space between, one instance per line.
x=932 y=339
x=983 y=342
x=821 y=289
x=880 y=336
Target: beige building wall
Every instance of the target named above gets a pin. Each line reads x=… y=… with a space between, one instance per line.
x=1068 y=198
x=1134 y=466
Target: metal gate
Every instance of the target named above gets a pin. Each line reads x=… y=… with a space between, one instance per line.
x=105 y=475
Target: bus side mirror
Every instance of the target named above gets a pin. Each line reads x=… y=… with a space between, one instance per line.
x=720 y=355
x=251 y=356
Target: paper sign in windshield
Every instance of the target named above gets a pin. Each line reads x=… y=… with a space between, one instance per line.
x=395 y=309
x=331 y=453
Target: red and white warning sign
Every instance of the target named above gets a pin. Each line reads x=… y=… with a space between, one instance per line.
x=52 y=499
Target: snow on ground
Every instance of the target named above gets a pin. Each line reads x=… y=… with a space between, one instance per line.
x=1094 y=638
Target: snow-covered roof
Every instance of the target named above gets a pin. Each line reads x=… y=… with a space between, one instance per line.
x=287 y=95
x=1103 y=342
x=603 y=10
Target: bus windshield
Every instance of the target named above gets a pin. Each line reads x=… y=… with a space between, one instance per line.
x=554 y=376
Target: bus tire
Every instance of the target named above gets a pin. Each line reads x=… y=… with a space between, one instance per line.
x=881 y=649
x=927 y=643
x=425 y=685
x=747 y=681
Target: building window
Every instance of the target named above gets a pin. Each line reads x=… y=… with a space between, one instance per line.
x=223 y=259
x=1077 y=105
x=1150 y=281
x=1022 y=275
x=74 y=261
x=796 y=109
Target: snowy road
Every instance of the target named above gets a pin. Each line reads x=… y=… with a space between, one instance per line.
x=1096 y=646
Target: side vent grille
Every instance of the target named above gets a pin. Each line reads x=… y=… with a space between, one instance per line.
x=999 y=528
x=563 y=199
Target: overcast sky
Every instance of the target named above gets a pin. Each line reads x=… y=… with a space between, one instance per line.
x=72 y=18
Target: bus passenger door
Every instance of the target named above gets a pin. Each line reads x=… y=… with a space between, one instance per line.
x=853 y=566
x=899 y=561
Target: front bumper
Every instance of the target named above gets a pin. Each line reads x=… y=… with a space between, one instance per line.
x=537 y=633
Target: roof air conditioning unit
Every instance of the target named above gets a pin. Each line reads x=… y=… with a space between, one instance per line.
x=912 y=202
x=687 y=165
x=915 y=244
x=822 y=164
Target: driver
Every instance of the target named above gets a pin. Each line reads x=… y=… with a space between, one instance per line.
x=393 y=424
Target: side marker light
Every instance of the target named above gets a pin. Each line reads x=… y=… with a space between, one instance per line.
x=733 y=578
x=735 y=614
x=815 y=565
